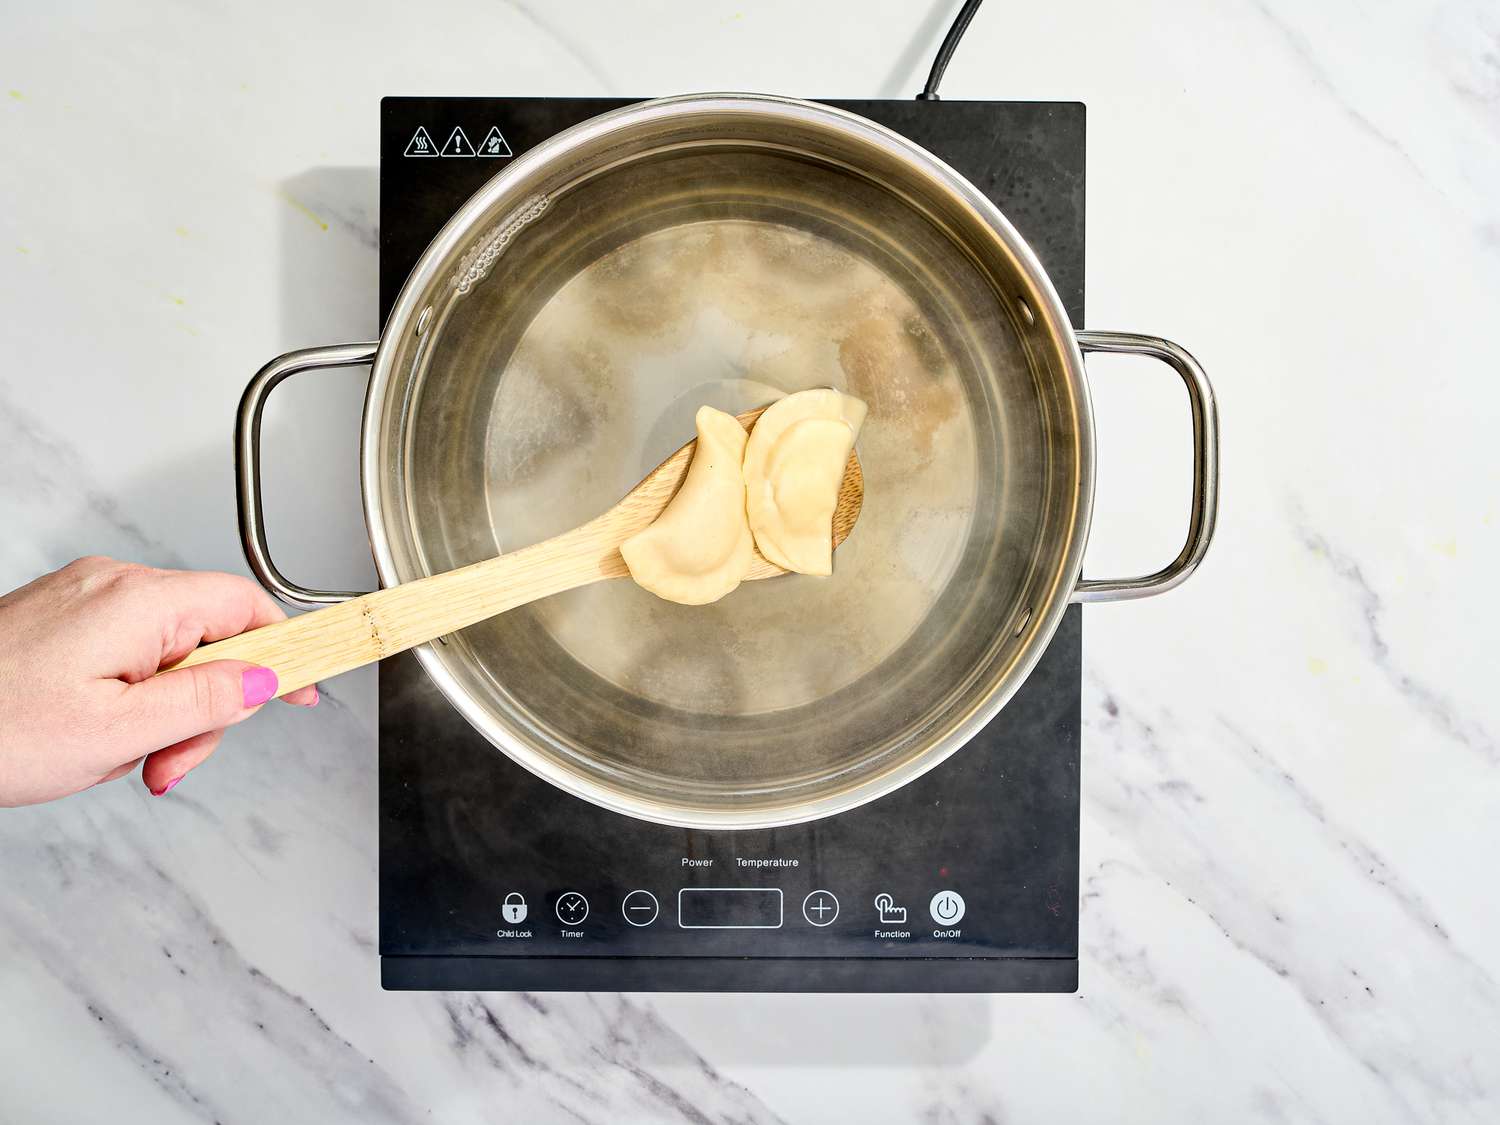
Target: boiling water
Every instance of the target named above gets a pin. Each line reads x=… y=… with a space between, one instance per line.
x=732 y=313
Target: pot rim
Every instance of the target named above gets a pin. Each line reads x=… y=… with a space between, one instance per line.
x=1048 y=310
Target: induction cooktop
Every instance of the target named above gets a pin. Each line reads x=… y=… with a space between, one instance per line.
x=965 y=880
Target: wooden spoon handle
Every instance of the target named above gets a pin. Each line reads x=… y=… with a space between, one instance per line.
x=314 y=646
x=303 y=650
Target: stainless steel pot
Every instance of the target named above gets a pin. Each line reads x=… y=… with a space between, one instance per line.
x=550 y=347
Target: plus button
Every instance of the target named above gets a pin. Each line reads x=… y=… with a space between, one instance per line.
x=820 y=908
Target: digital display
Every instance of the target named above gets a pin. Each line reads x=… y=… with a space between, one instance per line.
x=729 y=908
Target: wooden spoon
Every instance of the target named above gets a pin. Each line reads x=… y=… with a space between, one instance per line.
x=314 y=646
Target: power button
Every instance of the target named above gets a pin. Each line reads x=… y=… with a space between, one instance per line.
x=946 y=908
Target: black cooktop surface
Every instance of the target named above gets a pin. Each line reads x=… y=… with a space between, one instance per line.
x=964 y=880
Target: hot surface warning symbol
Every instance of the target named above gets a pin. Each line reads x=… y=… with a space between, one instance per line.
x=421 y=144
x=494 y=143
x=457 y=144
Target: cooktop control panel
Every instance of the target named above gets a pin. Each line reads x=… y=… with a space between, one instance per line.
x=885 y=919
x=680 y=913
x=966 y=879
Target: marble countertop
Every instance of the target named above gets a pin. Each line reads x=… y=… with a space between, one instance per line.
x=1291 y=765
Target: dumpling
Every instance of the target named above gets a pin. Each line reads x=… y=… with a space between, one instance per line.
x=794 y=465
x=700 y=547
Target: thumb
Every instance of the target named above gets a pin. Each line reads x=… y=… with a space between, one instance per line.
x=184 y=702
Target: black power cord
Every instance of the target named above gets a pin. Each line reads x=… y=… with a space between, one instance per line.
x=945 y=52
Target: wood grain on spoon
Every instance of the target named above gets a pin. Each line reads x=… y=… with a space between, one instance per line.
x=314 y=646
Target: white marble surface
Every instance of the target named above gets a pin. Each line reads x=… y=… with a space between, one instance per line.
x=1291 y=765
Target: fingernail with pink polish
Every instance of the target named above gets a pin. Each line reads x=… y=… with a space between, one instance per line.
x=259 y=685
x=167 y=788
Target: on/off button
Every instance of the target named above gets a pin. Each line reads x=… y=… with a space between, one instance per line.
x=946 y=908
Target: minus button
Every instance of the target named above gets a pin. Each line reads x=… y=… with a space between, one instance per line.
x=640 y=908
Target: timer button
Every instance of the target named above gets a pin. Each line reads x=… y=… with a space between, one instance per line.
x=572 y=908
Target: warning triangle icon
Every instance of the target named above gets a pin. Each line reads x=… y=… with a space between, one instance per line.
x=421 y=144
x=494 y=143
x=457 y=144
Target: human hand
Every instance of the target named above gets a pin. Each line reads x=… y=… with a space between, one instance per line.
x=80 y=700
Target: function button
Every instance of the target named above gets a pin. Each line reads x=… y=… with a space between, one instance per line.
x=888 y=912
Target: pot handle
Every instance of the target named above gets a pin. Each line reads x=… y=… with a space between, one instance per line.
x=247 y=465
x=1205 y=468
